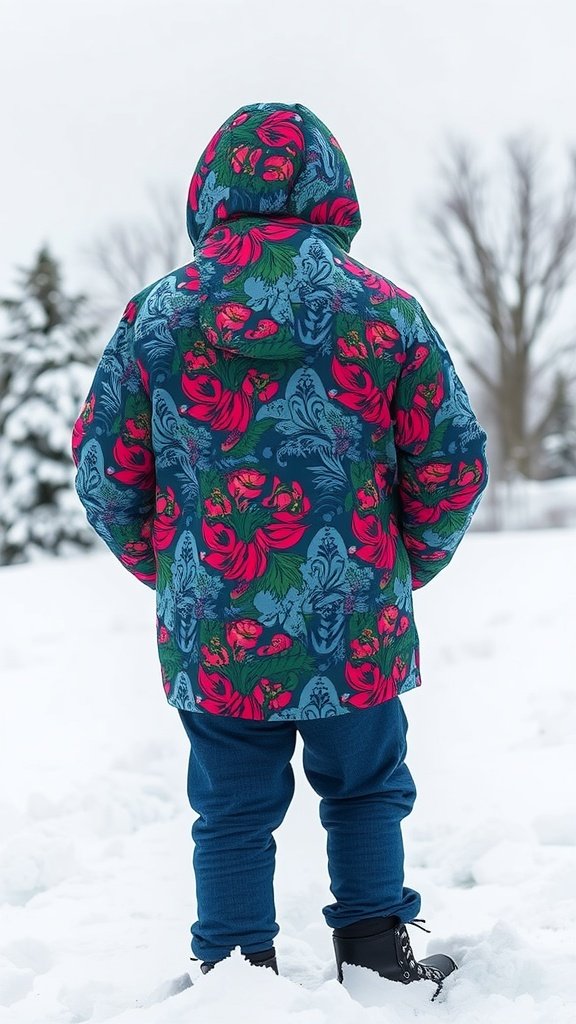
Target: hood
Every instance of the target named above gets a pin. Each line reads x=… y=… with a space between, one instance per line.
x=270 y=182
x=273 y=160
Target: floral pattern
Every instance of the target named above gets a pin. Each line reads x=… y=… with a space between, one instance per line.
x=276 y=441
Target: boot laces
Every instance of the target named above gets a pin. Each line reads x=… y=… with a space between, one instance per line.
x=423 y=971
x=420 y=922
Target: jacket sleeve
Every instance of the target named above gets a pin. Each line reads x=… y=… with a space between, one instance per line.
x=112 y=452
x=441 y=452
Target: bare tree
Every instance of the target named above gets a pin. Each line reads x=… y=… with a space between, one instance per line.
x=127 y=257
x=511 y=253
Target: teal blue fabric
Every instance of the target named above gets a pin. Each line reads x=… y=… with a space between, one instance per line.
x=241 y=783
x=277 y=442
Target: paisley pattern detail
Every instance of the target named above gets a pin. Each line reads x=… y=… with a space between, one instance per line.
x=277 y=442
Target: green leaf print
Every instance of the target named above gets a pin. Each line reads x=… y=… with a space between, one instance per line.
x=450 y=522
x=275 y=262
x=163 y=570
x=434 y=445
x=250 y=438
x=360 y=473
x=288 y=667
x=283 y=573
x=137 y=405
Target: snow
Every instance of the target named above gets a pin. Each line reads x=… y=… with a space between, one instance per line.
x=42 y=395
x=521 y=504
x=96 y=886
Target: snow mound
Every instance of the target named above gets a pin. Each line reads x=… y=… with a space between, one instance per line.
x=96 y=885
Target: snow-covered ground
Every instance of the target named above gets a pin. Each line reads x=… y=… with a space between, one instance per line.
x=528 y=505
x=96 y=889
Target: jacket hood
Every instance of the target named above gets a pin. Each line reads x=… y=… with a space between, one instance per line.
x=270 y=182
x=273 y=160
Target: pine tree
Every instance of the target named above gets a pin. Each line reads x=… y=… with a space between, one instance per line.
x=559 y=434
x=46 y=364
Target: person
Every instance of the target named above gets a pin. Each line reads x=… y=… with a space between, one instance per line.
x=277 y=442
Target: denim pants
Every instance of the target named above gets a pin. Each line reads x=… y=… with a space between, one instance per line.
x=241 y=783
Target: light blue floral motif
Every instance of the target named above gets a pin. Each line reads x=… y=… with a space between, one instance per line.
x=318 y=178
x=314 y=283
x=106 y=503
x=317 y=613
x=403 y=594
x=211 y=194
x=179 y=443
x=315 y=426
x=273 y=299
x=258 y=440
x=182 y=696
x=190 y=595
x=319 y=699
x=119 y=372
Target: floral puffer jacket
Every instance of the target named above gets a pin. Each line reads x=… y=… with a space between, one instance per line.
x=277 y=442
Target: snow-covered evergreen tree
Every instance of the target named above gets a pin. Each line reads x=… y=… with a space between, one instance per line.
x=559 y=434
x=47 y=360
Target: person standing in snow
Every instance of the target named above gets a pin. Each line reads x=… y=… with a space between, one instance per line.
x=276 y=441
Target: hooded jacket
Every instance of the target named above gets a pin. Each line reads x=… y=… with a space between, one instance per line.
x=277 y=442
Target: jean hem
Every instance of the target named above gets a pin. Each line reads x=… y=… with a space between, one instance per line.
x=222 y=954
x=405 y=913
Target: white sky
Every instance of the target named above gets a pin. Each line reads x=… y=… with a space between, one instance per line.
x=102 y=99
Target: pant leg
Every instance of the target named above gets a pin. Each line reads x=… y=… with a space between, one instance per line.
x=356 y=764
x=240 y=783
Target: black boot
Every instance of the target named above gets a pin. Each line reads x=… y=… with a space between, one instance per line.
x=383 y=945
x=267 y=958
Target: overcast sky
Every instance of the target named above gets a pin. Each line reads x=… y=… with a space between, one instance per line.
x=103 y=99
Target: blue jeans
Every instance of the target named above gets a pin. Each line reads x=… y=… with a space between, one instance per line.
x=241 y=783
